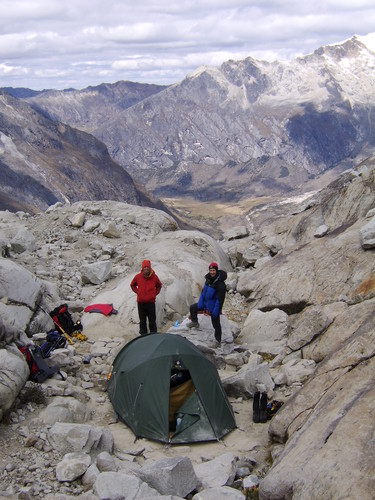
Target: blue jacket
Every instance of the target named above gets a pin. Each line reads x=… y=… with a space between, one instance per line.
x=213 y=294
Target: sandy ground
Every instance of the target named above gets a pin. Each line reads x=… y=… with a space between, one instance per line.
x=248 y=440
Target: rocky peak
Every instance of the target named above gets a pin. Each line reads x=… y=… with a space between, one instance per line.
x=350 y=49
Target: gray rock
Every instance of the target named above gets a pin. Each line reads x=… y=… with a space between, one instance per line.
x=23 y=241
x=321 y=231
x=18 y=284
x=14 y=373
x=170 y=476
x=367 y=234
x=90 y=476
x=78 y=219
x=96 y=273
x=111 y=231
x=310 y=323
x=236 y=232
x=115 y=485
x=222 y=493
x=317 y=411
x=245 y=381
x=105 y=462
x=64 y=409
x=220 y=471
x=69 y=438
x=72 y=466
x=294 y=371
x=90 y=225
x=266 y=331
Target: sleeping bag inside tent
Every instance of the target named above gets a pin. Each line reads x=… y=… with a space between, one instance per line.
x=163 y=388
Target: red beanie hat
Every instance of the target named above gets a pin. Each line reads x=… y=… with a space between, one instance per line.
x=213 y=264
x=146 y=263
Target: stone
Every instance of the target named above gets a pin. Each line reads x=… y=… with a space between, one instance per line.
x=170 y=476
x=72 y=466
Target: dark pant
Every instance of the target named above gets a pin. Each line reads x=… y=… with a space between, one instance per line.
x=147 y=311
x=215 y=321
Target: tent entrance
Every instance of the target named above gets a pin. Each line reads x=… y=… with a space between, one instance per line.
x=192 y=420
x=181 y=388
x=186 y=409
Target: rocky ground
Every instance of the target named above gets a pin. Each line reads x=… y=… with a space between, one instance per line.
x=28 y=463
x=301 y=292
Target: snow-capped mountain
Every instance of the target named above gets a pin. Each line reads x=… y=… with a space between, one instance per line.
x=250 y=127
x=246 y=128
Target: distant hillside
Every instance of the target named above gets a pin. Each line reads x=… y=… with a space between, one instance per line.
x=85 y=109
x=42 y=162
x=22 y=93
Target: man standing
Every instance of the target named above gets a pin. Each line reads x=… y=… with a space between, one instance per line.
x=211 y=299
x=147 y=286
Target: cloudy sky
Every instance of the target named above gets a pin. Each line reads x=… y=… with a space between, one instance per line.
x=75 y=43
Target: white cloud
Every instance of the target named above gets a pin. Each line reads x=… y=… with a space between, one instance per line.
x=79 y=42
x=6 y=70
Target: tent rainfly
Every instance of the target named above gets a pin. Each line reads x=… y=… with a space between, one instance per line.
x=164 y=389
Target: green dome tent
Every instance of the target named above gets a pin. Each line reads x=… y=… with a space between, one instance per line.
x=143 y=393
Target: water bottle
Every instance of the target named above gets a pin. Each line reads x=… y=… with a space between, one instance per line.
x=87 y=359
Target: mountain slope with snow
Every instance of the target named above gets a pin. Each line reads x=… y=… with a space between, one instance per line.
x=246 y=128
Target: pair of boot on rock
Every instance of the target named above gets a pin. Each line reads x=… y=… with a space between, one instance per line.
x=260 y=407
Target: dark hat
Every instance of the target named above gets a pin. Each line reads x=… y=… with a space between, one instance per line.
x=214 y=265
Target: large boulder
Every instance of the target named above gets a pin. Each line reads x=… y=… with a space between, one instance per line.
x=177 y=259
x=323 y=455
x=14 y=373
x=19 y=285
x=265 y=331
x=318 y=273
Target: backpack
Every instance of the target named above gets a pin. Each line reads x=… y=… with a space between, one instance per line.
x=54 y=340
x=40 y=370
x=63 y=319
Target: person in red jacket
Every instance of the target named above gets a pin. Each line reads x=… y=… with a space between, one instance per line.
x=147 y=286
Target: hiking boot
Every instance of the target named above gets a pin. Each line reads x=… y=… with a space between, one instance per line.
x=263 y=408
x=214 y=345
x=192 y=324
x=256 y=407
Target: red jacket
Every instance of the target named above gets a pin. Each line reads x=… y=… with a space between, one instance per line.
x=146 y=288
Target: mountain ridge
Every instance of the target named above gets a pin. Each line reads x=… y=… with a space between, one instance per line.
x=43 y=162
x=255 y=127
x=242 y=130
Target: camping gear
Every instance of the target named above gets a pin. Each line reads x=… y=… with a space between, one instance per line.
x=256 y=408
x=263 y=408
x=39 y=368
x=106 y=309
x=140 y=390
x=54 y=340
x=260 y=407
x=273 y=407
x=65 y=317
x=63 y=320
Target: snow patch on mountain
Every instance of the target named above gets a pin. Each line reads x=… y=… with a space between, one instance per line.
x=368 y=40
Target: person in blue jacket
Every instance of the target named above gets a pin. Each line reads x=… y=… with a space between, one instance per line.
x=211 y=299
